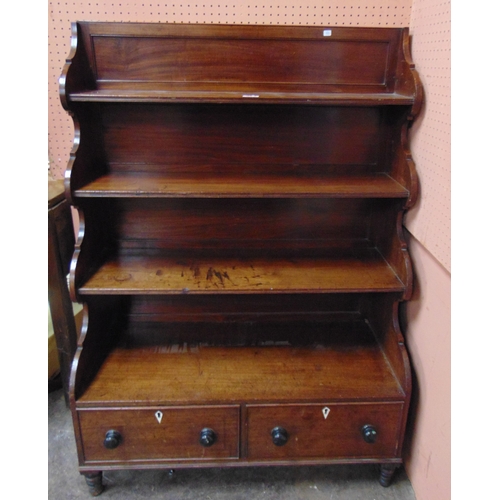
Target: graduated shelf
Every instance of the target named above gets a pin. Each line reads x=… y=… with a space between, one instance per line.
x=360 y=270
x=232 y=96
x=341 y=361
x=379 y=185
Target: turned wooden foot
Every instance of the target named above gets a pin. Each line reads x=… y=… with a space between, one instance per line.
x=386 y=474
x=94 y=482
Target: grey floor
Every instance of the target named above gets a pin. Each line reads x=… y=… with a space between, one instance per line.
x=277 y=483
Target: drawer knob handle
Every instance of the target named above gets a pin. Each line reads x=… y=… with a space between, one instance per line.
x=207 y=437
x=279 y=435
x=369 y=433
x=112 y=439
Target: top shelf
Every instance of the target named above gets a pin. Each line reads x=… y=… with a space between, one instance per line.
x=170 y=63
x=239 y=97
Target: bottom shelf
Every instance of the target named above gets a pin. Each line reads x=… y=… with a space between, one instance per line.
x=274 y=391
x=330 y=360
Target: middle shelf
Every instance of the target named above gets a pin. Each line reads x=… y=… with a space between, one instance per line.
x=239 y=245
x=236 y=186
x=359 y=270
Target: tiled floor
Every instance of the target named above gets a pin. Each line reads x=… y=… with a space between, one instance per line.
x=276 y=483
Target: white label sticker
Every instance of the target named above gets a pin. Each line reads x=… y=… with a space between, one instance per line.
x=325 y=411
x=327 y=32
x=159 y=416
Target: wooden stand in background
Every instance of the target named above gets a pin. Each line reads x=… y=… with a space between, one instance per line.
x=61 y=240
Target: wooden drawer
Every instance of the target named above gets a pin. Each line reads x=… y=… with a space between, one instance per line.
x=311 y=435
x=146 y=434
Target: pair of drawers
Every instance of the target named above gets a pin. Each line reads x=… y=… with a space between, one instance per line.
x=267 y=432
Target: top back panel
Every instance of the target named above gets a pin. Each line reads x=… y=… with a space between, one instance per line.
x=274 y=58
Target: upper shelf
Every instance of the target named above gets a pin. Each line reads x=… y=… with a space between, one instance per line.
x=155 y=62
x=116 y=185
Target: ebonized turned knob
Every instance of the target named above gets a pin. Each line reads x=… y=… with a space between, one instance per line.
x=112 y=439
x=369 y=433
x=207 y=437
x=279 y=436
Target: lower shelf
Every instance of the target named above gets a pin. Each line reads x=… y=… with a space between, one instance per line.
x=335 y=361
x=291 y=392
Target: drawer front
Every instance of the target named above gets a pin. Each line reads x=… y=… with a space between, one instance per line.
x=160 y=433
x=323 y=431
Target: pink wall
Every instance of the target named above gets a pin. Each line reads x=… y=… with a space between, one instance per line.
x=430 y=221
x=428 y=457
x=428 y=338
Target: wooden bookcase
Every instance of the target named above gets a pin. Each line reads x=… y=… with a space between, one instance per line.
x=240 y=258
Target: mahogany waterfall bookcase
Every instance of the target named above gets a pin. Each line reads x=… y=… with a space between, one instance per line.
x=240 y=258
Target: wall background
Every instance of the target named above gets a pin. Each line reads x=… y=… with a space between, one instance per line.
x=430 y=221
x=428 y=457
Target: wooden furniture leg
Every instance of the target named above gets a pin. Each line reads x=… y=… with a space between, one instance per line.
x=386 y=474
x=94 y=482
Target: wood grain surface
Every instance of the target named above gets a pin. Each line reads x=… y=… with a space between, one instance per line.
x=263 y=186
x=363 y=272
x=198 y=374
